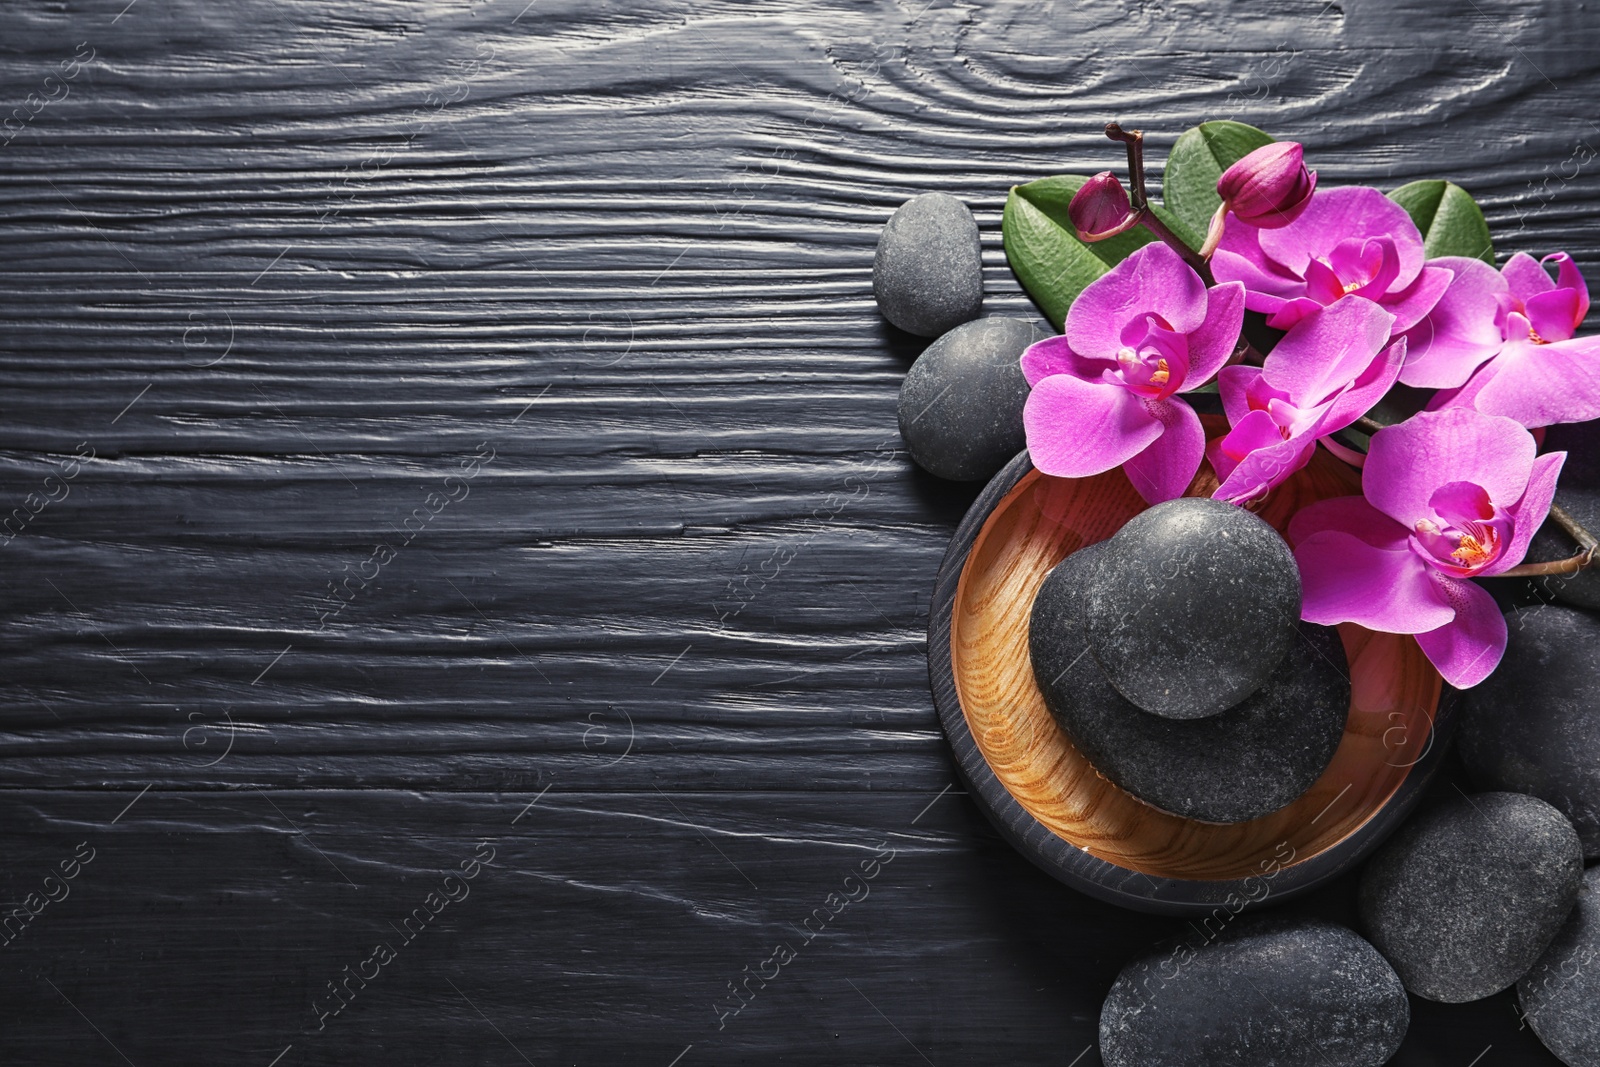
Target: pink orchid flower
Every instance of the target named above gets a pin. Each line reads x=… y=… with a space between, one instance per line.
x=1327 y=372
x=1351 y=241
x=1501 y=342
x=1449 y=496
x=1107 y=391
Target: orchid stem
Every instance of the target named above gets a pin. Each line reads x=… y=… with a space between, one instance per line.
x=1140 y=202
x=1563 y=518
x=1134 y=139
x=1570 y=565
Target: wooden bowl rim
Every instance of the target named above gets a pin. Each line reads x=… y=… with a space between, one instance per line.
x=1067 y=861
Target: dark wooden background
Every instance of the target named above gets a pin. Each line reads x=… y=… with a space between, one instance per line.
x=283 y=266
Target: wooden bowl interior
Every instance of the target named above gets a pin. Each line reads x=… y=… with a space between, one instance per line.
x=1395 y=693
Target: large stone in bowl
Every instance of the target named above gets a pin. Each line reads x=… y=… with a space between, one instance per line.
x=1246 y=762
x=1192 y=607
x=1259 y=993
x=927 y=275
x=961 y=403
x=1560 y=996
x=1465 y=897
x=1533 y=726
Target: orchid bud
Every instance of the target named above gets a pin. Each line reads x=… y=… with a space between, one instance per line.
x=1100 y=208
x=1270 y=187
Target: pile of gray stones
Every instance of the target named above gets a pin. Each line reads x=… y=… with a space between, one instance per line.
x=1482 y=890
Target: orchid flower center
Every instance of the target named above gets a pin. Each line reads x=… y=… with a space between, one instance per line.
x=1153 y=359
x=1143 y=368
x=1468 y=532
x=1365 y=266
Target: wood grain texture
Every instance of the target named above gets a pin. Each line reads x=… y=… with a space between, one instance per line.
x=1039 y=522
x=283 y=266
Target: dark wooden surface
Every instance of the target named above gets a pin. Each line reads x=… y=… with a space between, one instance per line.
x=282 y=267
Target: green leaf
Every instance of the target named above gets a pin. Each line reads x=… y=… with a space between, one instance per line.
x=1197 y=160
x=1451 y=222
x=1044 y=250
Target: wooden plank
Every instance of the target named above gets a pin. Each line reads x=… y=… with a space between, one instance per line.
x=282 y=267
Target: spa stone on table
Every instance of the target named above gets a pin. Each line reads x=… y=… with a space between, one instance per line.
x=1192 y=606
x=1465 y=897
x=961 y=404
x=1246 y=762
x=1265 y=993
x=1534 y=725
x=1560 y=997
x=928 y=273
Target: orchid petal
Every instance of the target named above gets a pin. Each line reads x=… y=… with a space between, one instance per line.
x=1529 y=513
x=1461 y=331
x=1569 y=277
x=1077 y=428
x=1407 y=463
x=1050 y=356
x=1366 y=390
x=1154 y=280
x=1411 y=304
x=1351 y=515
x=1467 y=649
x=1462 y=499
x=1322 y=354
x=1541 y=385
x=1554 y=315
x=1235 y=386
x=1239 y=259
x=1164 y=470
x=1345 y=579
x=1211 y=345
x=1265 y=466
x=1283 y=314
x=1525 y=277
x=1322 y=283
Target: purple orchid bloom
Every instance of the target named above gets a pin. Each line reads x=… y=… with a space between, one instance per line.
x=1352 y=241
x=1326 y=373
x=1501 y=342
x=1107 y=391
x=1449 y=495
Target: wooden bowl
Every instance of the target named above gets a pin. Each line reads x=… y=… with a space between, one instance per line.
x=1049 y=801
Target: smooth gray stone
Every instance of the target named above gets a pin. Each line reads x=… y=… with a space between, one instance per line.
x=927 y=275
x=1465 y=897
x=1533 y=726
x=1560 y=997
x=1578 y=491
x=1261 y=993
x=961 y=403
x=1241 y=764
x=1192 y=607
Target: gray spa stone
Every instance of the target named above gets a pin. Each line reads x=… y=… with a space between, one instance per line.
x=1560 y=997
x=961 y=403
x=1533 y=726
x=927 y=275
x=1466 y=896
x=1192 y=607
x=1264 y=993
x=1241 y=764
